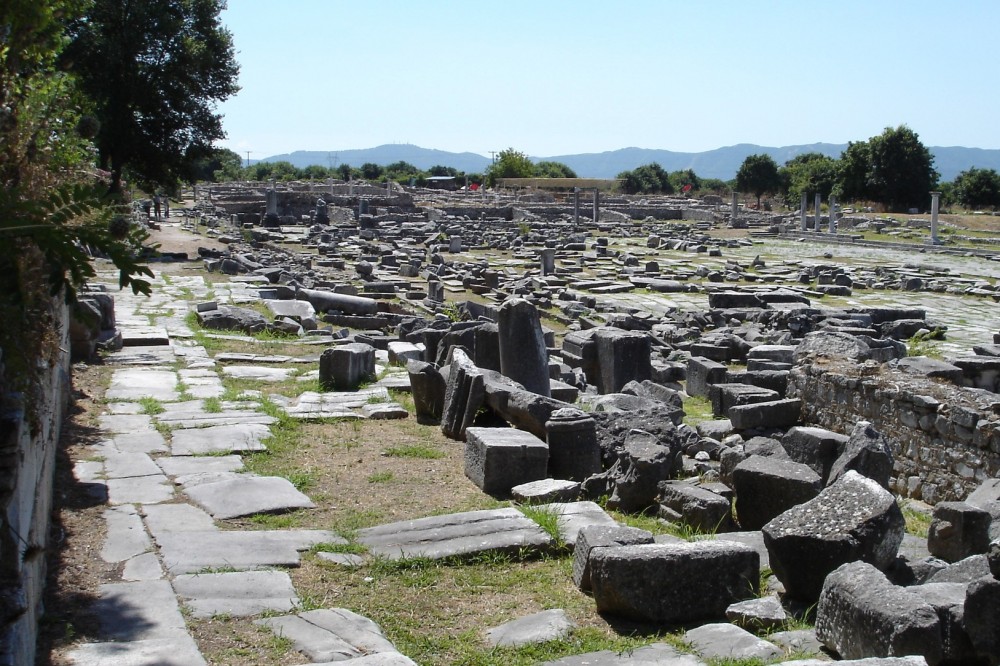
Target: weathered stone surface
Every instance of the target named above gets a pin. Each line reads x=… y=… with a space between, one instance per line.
x=867 y=452
x=497 y=459
x=657 y=654
x=694 y=506
x=126 y=536
x=219 y=439
x=602 y=536
x=238 y=593
x=574 y=516
x=853 y=519
x=764 y=614
x=428 y=389
x=772 y=414
x=523 y=354
x=246 y=495
x=622 y=356
x=464 y=395
x=727 y=641
x=546 y=490
x=816 y=447
x=190 y=552
x=345 y=367
x=642 y=464
x=982 y=617
x=330 y=634
x=541 y=627
x=861 y=614
x=695 y=581
x=957 y=531
x=574 y=453
x=436 y=537
x=703 y=373
x=767 y=487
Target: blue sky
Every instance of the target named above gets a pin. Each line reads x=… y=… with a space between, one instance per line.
x=554 y=77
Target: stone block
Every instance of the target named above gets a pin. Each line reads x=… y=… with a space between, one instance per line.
x=702 y=509
x=767 y=486
x=702 y=373
x=574 y=452
x=497 y=459
x=673 y=583
x=344 y=368
x=958 y=530
x=773 y=414
x=867 y=452
x=853 y=519
x=726 y=396
x=622 y=356
x=861 y=614
x=816 y=447
x=602 y=536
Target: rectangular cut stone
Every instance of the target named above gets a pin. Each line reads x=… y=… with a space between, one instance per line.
x=702 y=373
x=497 y=530
x=773 y=414
x=190 y=552
x=497 y=459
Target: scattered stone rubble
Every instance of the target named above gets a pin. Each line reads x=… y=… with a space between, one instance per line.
x=822 y=419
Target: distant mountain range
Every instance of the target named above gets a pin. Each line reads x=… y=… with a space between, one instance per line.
x=719 y=163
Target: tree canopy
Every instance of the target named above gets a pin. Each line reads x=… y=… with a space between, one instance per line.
x=510 y=163
x=810 y=174
x=646 y=179
x=978 y=188
x=153 y=71
x=758 y=174
x=893 y=168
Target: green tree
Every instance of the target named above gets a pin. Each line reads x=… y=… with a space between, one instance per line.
x=214 y=165
x=646 y=179
x=758 y=174
x=978 y=188
x=549 y=169
x=344 y=171
x=809 y=173
x=902 y=169
x=371 y=171
x=854 y=173
x=402 y=172
x=438 y=170
x=315 y=172
x=681 y=179
x=510 y=164
x=153 y=71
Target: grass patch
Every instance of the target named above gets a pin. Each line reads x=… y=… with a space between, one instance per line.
x=380 y=477
x=924 y=344
x=151 y=406
x=697 y=409
x=212 y=405
x=547 y=519
x=414 y=451
x=349 y=548
x=277 y=521
x=918 y=523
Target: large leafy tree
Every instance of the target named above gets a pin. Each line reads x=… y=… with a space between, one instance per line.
x=978 y=188
x=758 y=174
x=549 y=169
x=154 y=70
x=510 y=163
x=902 y=169
x=685 y=180
x=809 y=173
x=646 y=179
x=854 y=173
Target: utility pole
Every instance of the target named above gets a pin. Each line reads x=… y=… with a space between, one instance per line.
x=493 y=154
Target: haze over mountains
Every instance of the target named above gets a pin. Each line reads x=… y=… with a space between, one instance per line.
x=719 y=163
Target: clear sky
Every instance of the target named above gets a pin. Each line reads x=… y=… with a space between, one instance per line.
x=556 y=77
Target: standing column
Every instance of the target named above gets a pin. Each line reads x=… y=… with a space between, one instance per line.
x=803 y=208
x=832 y=226
x=734 y=215
x=819 y=215
x=576 y=205
x=935 y=203
x=597 y=207
x=523 y=355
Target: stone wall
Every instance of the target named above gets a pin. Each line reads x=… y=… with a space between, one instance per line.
x=27 y=464
x=945 y=438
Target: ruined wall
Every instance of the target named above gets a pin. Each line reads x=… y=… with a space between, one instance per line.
x=946 y=439
x=27 y=464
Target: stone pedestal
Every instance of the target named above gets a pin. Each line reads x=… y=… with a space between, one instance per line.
x=574 y=453
x=523 y=354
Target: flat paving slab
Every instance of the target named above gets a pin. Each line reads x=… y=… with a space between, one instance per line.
x=657 y=654
x=119 y=465
x=126 y=536
x=258 y=373
x=136 y=383
x=220 y=438
x=245 y=495
x=436 y=537
x=116 y=424
x=140 y=490
x=138 y=611
x=574 y=516
x=549 y=625
x=177 y=650
x=237 y=593
x=165 y=518
x=180 y=465
x=330 y=634
x=333 y=404
x=191 y=552
x=145 y=441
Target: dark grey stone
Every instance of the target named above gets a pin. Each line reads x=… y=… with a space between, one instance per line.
x=957 y=531
x=574 y=453
x=702 y=509
x=523 y=355
x=982 y=617
x=601 y=536
x=642 y=464
x=767 y=487
x=816 y=447
x=694 y=580
x=772 y=414
x=464 y=395
x=861 y=614
x=345 y=367
x=867 y=452
x=727 y=641
x=853 y=519
x=703 y=373
x=427 y=386
x=758 y=615
x=497 y=459
x=622 y=356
